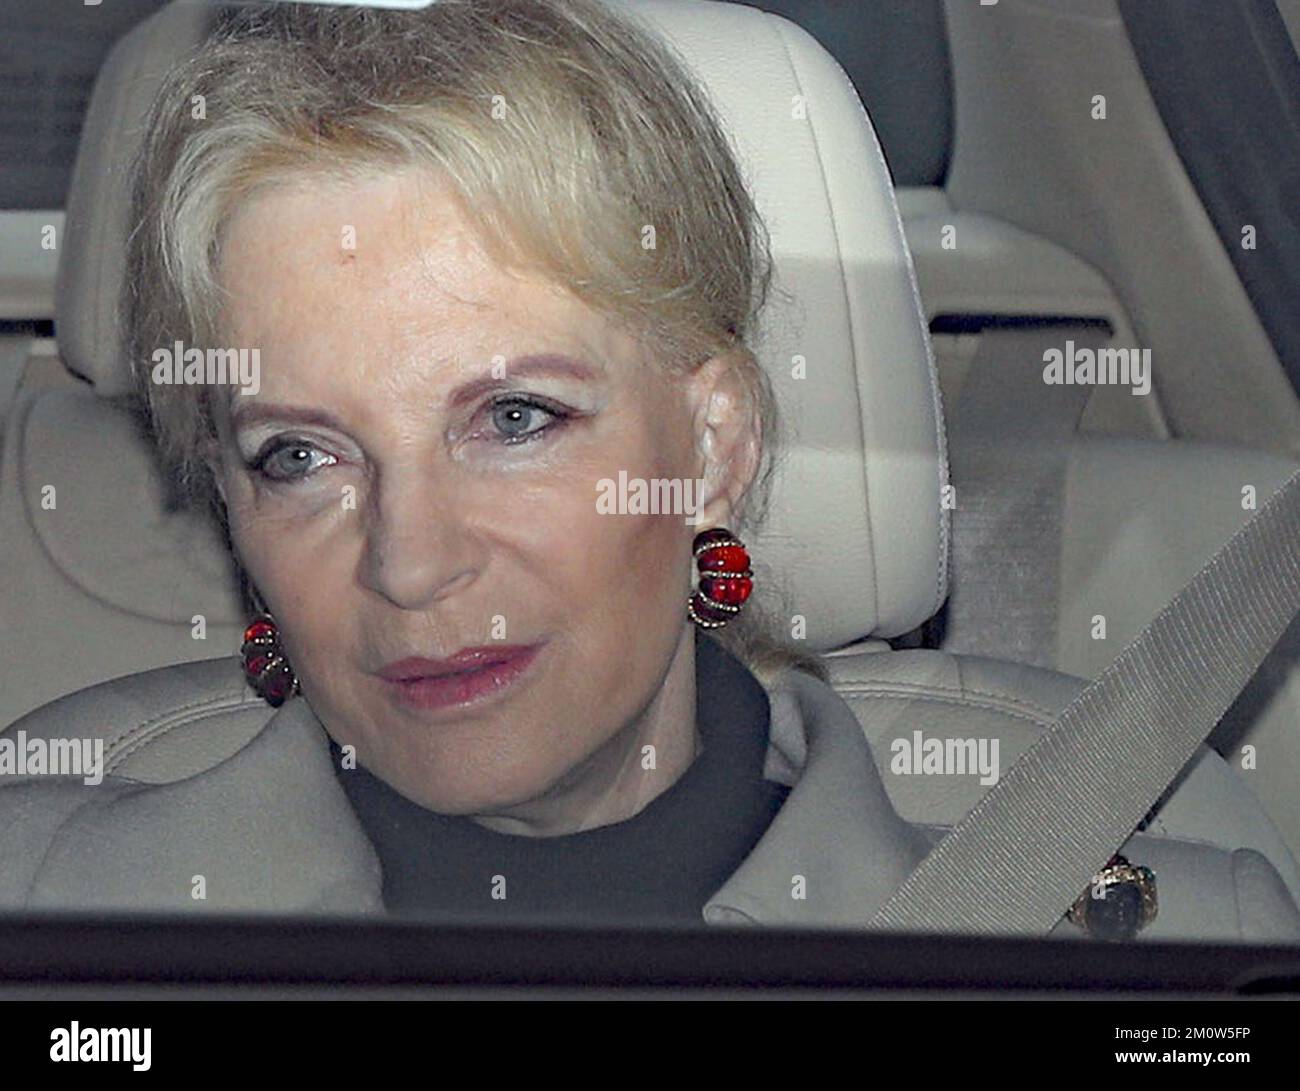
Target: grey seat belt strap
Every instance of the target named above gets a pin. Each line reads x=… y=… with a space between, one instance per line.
x=1009 y=441
x=1034 y=841
x=13 y=364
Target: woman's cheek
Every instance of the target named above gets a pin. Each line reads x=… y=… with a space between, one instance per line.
x=285 y=547
x=330 y=503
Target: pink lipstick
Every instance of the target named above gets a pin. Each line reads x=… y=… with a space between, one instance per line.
x=470 y=677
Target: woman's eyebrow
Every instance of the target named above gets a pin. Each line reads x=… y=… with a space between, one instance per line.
x=536 y=364
x=247 y=413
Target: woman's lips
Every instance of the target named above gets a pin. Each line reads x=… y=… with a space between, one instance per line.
x=470 y=677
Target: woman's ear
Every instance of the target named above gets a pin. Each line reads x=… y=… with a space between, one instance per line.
x=728 y=436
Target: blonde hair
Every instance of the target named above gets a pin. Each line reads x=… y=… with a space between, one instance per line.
x=568 y=132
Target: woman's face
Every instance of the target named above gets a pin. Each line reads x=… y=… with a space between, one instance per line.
x=394 y=495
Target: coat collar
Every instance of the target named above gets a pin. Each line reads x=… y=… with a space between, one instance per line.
x=837 y=848
x=266 y=830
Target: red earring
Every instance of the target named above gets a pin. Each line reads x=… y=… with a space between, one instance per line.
x=725 y=578
x=266 y=666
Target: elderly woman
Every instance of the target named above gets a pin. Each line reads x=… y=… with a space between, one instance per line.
x=491 y=256
x=487 y=260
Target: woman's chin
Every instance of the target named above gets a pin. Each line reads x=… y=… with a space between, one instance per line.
x=478 y=766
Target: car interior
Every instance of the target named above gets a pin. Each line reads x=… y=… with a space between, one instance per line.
x=1015 y=181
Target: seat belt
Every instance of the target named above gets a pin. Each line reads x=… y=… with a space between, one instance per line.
x=1036 y=839
x=1009 y=441
x=13 y=365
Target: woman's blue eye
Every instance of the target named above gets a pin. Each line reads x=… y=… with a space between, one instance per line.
x=519 y=419
x=290 y=460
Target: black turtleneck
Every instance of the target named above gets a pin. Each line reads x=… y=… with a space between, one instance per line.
x=658 y=867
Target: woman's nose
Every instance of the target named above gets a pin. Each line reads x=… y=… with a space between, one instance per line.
x=418 y=548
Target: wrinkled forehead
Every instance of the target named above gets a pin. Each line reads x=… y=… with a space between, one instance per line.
x=369 y=295
x=388 y=267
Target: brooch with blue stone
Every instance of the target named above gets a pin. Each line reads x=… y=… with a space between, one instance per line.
x=1119 y=902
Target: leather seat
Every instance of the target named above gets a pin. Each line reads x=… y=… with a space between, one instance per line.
x=102 y=577
x=855 y=550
